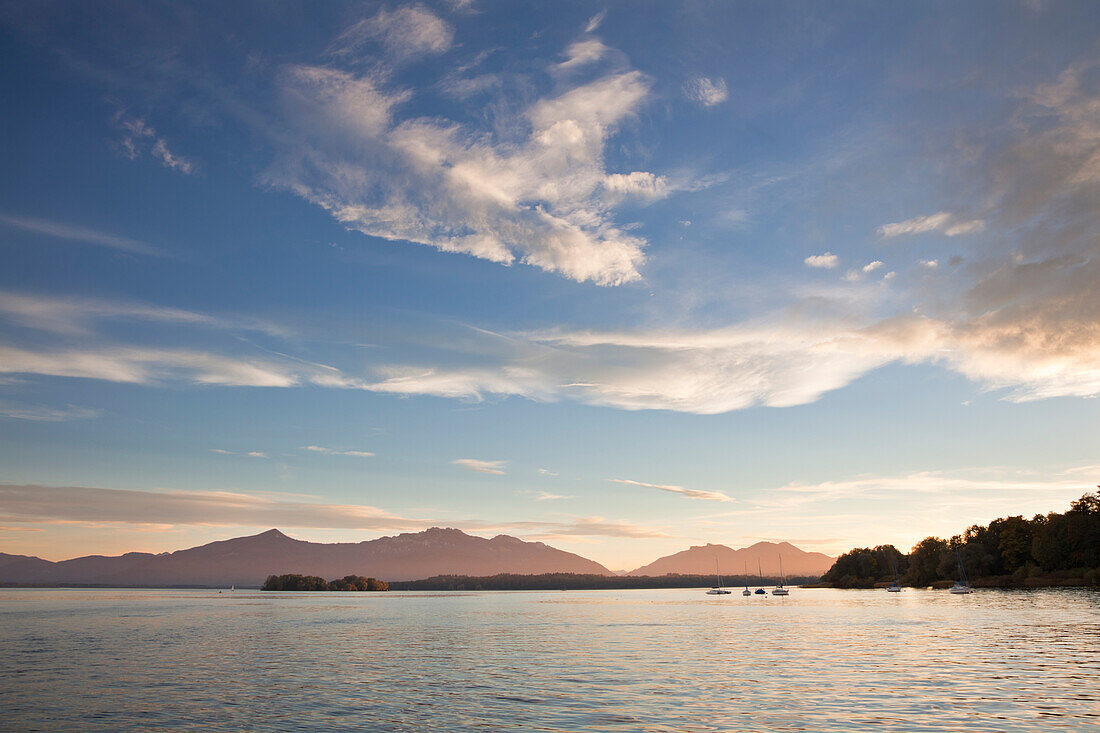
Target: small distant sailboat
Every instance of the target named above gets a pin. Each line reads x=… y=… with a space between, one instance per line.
x=717 y=590
x=895 y=588
x=746 y=592
x=779 y=589
x=760 y=572
x=961 y=588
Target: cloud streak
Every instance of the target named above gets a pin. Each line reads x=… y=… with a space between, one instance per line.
x=690 y=493
x=333 y=452
x=473 y=464
x=85 y=235
x=950 y=224
x=30 y=503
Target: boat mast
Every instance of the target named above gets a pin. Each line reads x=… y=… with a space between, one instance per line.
x=962 y=569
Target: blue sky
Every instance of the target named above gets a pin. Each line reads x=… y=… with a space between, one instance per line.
x=621 y=277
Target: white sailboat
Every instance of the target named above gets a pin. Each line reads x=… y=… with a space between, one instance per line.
x=961 y=588
x=779 y=589
x=895 y=588
x=760 y=572
x=746 y=592
x=717 y=590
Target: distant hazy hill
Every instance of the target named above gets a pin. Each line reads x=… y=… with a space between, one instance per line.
x=700 y=560
x=249 y=560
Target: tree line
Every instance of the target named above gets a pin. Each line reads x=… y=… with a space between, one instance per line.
x=312 y=582
x=1054 y=548
x=575 y=581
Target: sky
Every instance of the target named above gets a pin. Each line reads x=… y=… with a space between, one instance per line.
x=621 y=277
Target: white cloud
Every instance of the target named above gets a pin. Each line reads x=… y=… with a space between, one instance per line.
x=825 y=261
x=246 y=454
x=930 y=264
x=944 y=221
x=708 y=92
x=69 y=232
x=547 y=472
x=139 y=137
x=164 y=155
x=594 y=22
x=406 y=32
x=639 y=183
x=333 y=452
x=582 y=53
x=472 y=464
x=855 y=275
x=690 y=493
x=547 y=496
x=541 y=201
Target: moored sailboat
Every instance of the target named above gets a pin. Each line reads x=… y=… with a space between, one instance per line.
x=780 y=590
x=961 y=587
x=760 y=572
x=894 y=588
x=717 y=590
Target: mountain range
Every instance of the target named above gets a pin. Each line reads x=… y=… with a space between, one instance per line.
x=247 y=561
x=763 y=557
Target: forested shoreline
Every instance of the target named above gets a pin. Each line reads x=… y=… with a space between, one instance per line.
x=578 y=581
x=1052 y=549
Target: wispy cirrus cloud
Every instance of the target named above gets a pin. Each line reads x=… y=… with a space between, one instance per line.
x=950 y=224
x=335 y=452
x=44 y=413
x=406 y=32
x=690 y=493
x=246 y=454
x=707 y=92
x=31 y=504
x=85 y=235
x=75 y=315
x=139 y=137
x=473 y=464
x=135 y=365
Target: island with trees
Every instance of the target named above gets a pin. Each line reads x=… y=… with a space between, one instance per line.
x=1056 y=549
x=312 y=582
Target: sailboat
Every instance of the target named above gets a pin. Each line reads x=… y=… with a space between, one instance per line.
x=895 y=588
x=746 y=592
x=964 y=587
x=717 y=590
x=760 y=572
x=779 y=589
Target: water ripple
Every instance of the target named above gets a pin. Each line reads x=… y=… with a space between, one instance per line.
x=668 y=660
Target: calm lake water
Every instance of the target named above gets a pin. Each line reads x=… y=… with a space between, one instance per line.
x=662 y=660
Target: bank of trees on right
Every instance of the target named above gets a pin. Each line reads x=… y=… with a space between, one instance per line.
x=1012 y=549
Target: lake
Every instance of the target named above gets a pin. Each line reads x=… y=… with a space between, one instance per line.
x=637 y=660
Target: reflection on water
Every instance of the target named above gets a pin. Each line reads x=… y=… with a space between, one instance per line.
x=665 y=660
